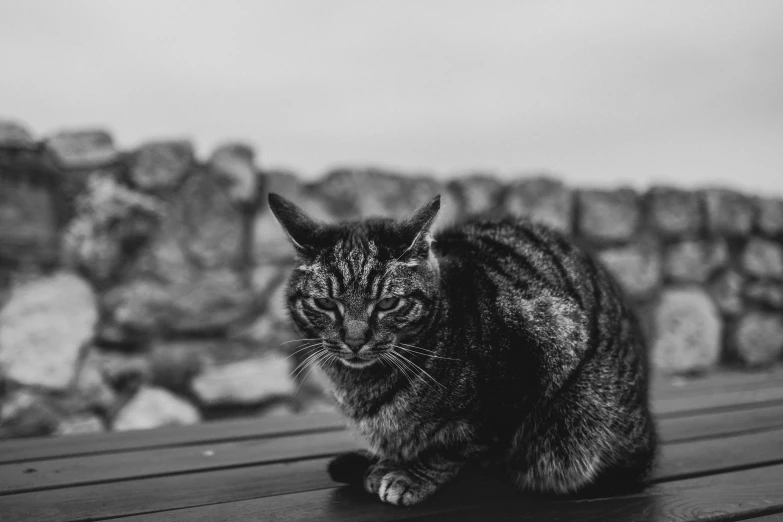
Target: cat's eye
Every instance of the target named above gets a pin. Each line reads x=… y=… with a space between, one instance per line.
x=388 y=303
x=325 y=304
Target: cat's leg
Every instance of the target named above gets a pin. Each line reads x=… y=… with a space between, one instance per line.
x=408 y=483
x=581 y=440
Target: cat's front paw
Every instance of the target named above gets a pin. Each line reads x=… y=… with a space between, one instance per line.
x=397 y=485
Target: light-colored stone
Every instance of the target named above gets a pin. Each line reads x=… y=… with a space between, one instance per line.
x=234 y=163
x=770 y=216
x=727 y=291
x=636 y=267
x=43 y=329
x=695 y=261
x=763 y=258
x=757 y=339
x=87 y=149
x=688 y=331
x=729 y=213
x=159 y=166
x=542 y=200
x=246 y=382
x=110 y=220
x=607 y=216
x=80 y=424
x=14 y=134
x=153 y=407
x=675 y=212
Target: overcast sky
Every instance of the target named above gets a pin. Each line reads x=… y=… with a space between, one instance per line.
x=598 y=92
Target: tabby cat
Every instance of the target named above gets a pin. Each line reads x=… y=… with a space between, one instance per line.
x=495 y=341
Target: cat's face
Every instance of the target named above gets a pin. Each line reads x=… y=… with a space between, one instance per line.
x=366 y=288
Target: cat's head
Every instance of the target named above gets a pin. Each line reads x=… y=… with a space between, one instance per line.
x=366 y=287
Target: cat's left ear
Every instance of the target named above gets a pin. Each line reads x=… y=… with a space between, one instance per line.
x=299 y=227
x=417 y=227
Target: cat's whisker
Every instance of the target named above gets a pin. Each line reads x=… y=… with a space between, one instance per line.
x=309 y=346
x=424 y=354
x=422 y=370
x=417 y=347
x=312 y=367
x=305 y=363
x=297 y=340
x=411 y=365
x=399 y=366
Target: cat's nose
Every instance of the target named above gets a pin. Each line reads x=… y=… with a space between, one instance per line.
x=355 y=334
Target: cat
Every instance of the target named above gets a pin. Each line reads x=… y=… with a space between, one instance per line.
x=495 y=341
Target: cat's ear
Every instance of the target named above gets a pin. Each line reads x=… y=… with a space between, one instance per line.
x=416 y=229
x=298 y=226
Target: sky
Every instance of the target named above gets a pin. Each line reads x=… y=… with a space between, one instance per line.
x=599 y=92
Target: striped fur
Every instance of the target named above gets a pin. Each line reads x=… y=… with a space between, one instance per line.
x=509 y=345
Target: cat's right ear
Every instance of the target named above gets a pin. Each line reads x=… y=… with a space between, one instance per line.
x=298 y=226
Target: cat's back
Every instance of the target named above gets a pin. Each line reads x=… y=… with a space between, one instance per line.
x=525 y=255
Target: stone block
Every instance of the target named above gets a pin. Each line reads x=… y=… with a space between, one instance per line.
x=43 y=329
x=768 y=294
x=607 y=216
x=687 y=331
x=727 y=289
x=25 y=413
x=233 y=163
x=85 y=149
x=695 y=261
x=253 y=381
x=14 y=134
x=763 y=258
x=675 y=212
x=770 y=216
x=208 y=304
x=29 y=221
x=542 y=200
x=636 y=267
x=154 y=407
x=478 y=193
x=160 y=166
x=111 y=223
x=80 y=425
x=757 y=339
x=728 y=213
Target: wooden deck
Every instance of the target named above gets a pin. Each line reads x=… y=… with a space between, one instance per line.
x=721 y=459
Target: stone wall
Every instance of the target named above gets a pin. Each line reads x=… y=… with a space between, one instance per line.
x=143 y=288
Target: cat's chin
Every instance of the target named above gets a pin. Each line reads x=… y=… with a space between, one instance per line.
x=356 y=363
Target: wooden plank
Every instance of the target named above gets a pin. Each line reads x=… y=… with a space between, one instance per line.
x=117 y=466
x=725 y=380
x=172 y=492
x=681 y=406
x=719 y=424
x=17 y=450
x=50 y=473
x=667 y=403
x=777 y=517
x=724 y=496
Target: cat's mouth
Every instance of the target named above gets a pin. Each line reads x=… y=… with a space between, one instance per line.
x=354 y=361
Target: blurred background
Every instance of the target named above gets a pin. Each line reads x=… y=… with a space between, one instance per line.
x=142 y=275
x=600 y=92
